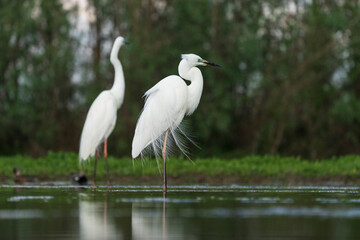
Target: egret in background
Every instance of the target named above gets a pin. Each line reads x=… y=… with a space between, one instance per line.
x=166 y=104
x=101 y=118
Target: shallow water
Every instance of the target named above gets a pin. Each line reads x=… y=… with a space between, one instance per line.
x=58 y=211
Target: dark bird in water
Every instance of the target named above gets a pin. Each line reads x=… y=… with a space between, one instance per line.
x=78 y=178
x=18 y=178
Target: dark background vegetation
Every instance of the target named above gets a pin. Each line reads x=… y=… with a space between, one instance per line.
x=289 y=82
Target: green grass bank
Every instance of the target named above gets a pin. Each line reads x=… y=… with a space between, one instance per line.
x=244 y=170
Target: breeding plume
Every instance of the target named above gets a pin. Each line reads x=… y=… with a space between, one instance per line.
x=101 y=118
x=166 y=104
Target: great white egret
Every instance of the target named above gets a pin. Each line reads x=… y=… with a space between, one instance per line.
x=166 y=104
x=101 y=118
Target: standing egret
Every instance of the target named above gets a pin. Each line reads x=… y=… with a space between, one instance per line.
x=101 y=118
x=166 y=104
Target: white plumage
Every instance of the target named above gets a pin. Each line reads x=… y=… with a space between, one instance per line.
x=100 y=122
x=166 y=104
x=101 y=118
x=164 y=109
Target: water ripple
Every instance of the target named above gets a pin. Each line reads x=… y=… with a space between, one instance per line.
x=22 y=198
x=275 y=211
x=20 y=214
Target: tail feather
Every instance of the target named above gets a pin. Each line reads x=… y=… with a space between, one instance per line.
x=177 y=137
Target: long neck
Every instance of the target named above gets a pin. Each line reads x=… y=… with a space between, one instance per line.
x=118 y=87
x=193 y=74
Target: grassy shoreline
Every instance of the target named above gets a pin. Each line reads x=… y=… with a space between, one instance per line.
x=244 y=170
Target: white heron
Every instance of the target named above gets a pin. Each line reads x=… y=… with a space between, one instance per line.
x=166 y=104
x=101 y=118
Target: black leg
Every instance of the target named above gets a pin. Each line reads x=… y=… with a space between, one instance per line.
x=164 y=163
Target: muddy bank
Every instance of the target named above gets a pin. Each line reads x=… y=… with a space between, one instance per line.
x=204 y=179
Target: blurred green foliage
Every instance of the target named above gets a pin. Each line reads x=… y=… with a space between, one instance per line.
x=289 y=82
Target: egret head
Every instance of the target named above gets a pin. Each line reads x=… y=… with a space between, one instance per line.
x=194 y=60
x=120 y=41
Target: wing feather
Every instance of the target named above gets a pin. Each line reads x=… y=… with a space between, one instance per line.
x=165 y=107
x=100 y=122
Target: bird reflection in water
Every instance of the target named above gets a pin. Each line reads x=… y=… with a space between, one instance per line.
x=149 y=222
x=94 y=221
x=164 y=233
x=132 y=218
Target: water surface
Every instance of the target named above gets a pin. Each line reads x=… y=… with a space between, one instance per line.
x=59 y=211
